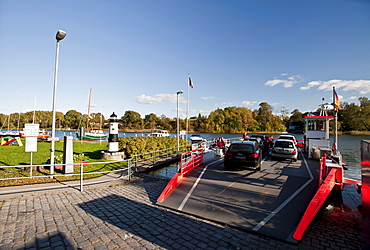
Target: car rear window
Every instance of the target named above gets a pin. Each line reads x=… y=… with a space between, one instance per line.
x=286 y=137
x=284 y=144
x=242 y=147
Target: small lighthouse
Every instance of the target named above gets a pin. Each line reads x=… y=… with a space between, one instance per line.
x=113 y=133
x=113 y=153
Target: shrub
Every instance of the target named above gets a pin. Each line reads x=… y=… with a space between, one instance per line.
x=139 y=145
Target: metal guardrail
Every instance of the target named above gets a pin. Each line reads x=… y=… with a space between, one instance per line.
x=125 y=166
x=159 y=155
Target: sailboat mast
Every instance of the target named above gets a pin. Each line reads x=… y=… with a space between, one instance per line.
x=88 y=110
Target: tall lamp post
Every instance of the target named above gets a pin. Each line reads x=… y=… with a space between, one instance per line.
x=178 y=125
x=59 y=36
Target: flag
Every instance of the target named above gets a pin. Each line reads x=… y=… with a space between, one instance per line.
x=190 y=82
x=335 y=100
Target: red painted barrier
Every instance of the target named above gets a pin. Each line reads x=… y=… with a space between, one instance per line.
x=8 y=142
x=315 y=204
x=323 y=169
x=188 y=161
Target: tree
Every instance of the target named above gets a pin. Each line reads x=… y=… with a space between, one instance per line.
x=132 y=120
x=72 y=119
x=96 y=120
x=264 y=116
x=365 y=112
x=151 y=121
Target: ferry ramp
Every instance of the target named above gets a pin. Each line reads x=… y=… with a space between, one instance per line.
x=270 y=202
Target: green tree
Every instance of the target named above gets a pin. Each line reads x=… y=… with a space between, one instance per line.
x=365 y=112
x=132 y=120
x=151 y=121
x=72 y=119
x=264 y=116
x=96 y=120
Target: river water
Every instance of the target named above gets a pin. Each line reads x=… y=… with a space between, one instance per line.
x=349 y=146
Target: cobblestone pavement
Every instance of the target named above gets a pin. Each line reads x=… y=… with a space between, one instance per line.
x=124 y=216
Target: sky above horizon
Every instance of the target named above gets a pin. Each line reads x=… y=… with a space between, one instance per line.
x=136 y=55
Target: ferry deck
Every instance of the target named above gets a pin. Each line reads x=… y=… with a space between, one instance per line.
x=270 y=202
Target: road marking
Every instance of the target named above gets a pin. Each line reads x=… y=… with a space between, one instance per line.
x=195 y=184
x=279 y=208
x=305 y=162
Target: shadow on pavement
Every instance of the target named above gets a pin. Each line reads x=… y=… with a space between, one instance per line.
x=52 y=241
x=163 y=228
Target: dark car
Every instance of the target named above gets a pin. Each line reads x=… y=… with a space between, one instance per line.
x=263 y=137
x=256 y=139
x=244 y=154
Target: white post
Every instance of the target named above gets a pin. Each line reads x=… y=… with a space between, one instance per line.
x=178 y=124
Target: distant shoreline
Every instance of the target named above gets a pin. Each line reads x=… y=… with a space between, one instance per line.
x=193 y=132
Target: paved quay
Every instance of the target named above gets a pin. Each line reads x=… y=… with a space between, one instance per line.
x=123 y=215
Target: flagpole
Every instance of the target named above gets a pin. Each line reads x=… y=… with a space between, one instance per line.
x=335 y=117
x=187 y=112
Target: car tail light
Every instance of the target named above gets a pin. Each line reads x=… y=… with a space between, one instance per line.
x=273 y=150
x=228 y=155
x=294 y=151
x=254 y=155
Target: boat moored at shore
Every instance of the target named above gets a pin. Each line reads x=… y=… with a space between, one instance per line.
x=159 y=133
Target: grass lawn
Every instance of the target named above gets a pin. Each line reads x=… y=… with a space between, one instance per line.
x=14 y=155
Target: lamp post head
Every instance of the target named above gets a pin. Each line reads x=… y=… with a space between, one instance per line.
x=180 y=92
x=61 y=34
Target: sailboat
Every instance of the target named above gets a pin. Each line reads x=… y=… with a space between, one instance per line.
x=90 y=134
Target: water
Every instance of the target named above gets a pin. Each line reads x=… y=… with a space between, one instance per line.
x=349 y=146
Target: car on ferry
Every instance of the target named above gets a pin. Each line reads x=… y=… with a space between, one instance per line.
x=284 y=149
x=288 y=137
x=256 y=139
x=243 y=154
x=261 y=136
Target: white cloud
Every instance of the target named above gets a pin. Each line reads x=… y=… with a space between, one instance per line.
x=159 y=98
x=288 y=82
x=310 y=85
x=249 y=103
x=353 y=98
x=273 y=82
x=208 y=98
x=361 y=86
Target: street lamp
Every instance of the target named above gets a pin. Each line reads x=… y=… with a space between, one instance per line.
x=59 y=36
x=178 y=126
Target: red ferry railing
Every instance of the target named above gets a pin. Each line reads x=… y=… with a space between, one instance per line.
x=326 y=184
x=328 y=180
x=188 y=161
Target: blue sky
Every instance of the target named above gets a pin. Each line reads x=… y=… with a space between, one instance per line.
x=135 y=55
